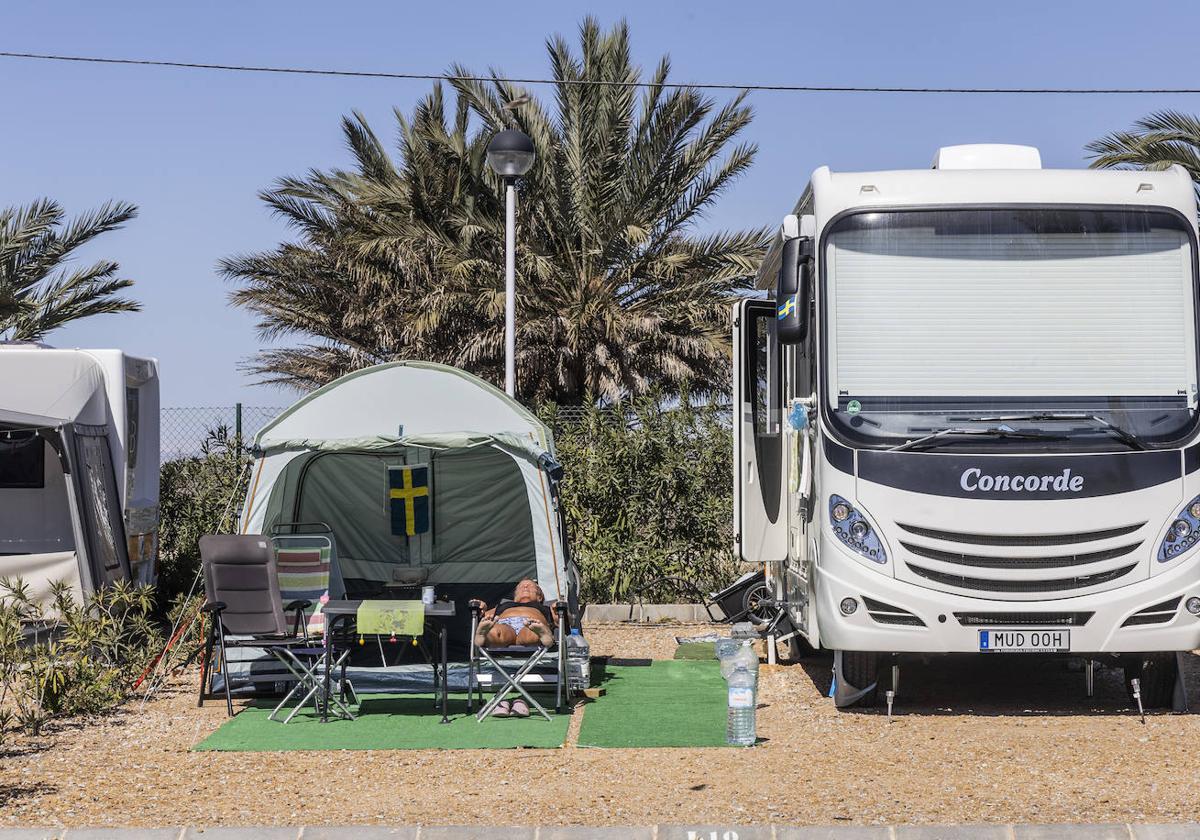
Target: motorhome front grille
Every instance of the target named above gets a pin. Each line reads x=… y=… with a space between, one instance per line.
x=1057 y=585
x=1023 y=619
x=887 y=614
x=1021 y=539
x=983 y=561
x=1155 y=614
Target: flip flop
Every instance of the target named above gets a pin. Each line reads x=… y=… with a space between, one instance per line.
x=520 y=709
x=502 y=709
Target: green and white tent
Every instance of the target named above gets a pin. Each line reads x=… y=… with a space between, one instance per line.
x=483 y=468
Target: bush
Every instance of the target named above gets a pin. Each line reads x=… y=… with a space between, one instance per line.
x=648 y=498
x=83 y=659
x=199 y=495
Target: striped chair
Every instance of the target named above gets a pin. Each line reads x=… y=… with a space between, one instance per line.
x=308 y=570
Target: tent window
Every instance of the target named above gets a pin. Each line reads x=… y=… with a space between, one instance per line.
x=22 y=461
x=349 y=492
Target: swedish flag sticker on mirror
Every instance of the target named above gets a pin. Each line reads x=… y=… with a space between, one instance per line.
x=408 y=498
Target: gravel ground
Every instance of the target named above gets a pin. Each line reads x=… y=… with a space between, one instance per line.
x=986 y=740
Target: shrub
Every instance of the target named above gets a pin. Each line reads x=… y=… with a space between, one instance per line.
x=199 y=495
x=82 y=658
x=648 y=498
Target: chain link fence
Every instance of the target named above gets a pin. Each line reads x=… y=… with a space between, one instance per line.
x=184 y=430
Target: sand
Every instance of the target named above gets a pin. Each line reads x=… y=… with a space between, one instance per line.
x=982 y=740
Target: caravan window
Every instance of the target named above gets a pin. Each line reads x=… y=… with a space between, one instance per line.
x=132 y=416
x=22 y=461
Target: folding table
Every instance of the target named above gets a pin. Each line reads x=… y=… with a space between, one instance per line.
x=441 y=612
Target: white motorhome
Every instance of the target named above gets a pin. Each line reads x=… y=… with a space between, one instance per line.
x=967 y=416
x=78 y=467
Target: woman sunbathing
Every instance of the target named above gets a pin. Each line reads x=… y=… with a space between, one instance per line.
x=524 y=620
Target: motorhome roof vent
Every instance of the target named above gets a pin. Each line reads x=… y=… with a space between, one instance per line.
x=987 y=156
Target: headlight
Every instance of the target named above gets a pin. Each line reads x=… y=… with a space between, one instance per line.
x=1184 y=533
x=854 y=531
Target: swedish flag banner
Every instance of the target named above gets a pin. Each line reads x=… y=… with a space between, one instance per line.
x=408 y=496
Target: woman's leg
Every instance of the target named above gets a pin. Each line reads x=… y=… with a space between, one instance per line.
x=536 y=633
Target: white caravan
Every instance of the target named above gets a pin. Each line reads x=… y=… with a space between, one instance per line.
x=78 y=467
x=967 y=416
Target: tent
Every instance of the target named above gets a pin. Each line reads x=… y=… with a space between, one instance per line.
x=78 y=467
x=489 y=514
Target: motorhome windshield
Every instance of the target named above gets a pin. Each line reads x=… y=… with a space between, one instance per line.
x=1073 y=329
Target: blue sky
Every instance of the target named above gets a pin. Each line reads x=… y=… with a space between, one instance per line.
x=192 y=148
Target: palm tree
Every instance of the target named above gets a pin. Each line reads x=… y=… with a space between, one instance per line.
x=617 y=294
x=1156 y=142
x=38 y=293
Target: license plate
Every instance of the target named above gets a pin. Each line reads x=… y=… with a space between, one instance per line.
x=1024 y=641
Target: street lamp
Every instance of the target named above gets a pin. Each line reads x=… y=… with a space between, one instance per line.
x=510 y=154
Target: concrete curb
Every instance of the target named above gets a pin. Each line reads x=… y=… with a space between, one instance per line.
x=610 y=613
x=1109 y=831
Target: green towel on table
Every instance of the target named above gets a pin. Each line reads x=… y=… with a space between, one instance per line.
x=391 y=618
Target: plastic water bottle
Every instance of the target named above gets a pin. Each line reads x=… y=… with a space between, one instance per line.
x=739 y=725
x=579 y=661
x=745 y=657
x=726 y=648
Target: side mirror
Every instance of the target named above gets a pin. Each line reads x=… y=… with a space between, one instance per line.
x=793 y=291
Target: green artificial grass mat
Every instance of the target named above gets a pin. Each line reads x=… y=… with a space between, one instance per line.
x=696 y=650
x=671 y=703
x=385 y=722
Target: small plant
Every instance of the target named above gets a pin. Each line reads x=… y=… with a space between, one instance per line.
x=60 y=657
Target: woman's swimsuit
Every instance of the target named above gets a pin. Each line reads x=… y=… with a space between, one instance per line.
x=520 y=622
x=516 y=622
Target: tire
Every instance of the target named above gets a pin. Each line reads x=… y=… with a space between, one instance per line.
x=1157 y=673
x=861 y=669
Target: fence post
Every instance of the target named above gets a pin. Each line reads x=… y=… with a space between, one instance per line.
x=237 y=426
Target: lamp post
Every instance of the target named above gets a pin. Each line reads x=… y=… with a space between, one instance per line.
x=510 y=154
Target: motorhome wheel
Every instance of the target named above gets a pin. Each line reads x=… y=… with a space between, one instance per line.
x=861 y=668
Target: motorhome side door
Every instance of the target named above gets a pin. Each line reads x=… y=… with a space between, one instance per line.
x=760 y=516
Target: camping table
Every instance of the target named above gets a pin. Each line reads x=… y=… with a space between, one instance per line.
x=342 y=611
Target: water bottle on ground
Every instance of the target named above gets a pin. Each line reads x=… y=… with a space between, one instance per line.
x=739 y=726
x=579 y=661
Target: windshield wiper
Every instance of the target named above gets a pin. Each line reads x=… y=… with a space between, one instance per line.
x=1001 y=431
x=1123 y=435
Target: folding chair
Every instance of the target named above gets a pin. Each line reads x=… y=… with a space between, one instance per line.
x=241 y=587
x=515 y=668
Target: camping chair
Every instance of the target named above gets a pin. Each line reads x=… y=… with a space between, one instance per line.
x=514 y=668
x=241 y=587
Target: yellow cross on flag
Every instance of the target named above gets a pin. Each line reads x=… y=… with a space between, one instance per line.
x=408 y=496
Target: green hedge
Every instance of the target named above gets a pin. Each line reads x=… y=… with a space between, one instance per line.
x=649 y=499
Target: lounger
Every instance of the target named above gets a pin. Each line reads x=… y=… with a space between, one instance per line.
x=516 y=668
